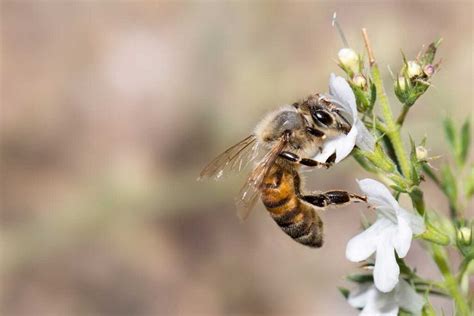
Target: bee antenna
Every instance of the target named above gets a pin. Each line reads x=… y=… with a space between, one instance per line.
x=338 y=27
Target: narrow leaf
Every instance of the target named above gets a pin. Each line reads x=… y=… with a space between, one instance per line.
x=450 y=133
x=465 y=141
x=345 y=292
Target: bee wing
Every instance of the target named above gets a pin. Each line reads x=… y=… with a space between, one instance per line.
x=250 y=192
x=234 y=158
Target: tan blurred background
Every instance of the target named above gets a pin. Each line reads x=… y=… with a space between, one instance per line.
x=110 y=109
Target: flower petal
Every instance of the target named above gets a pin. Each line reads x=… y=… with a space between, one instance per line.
x=346 y=144
x=377 y=193
x=364 y=245
x=341 y=90
x=402 y=239
x=415 y=221
x=360 y=297
x=408 y=298
x=328 y=149
x=364 y=140
x=341 y=145
x=386 y=270
x=381 y=304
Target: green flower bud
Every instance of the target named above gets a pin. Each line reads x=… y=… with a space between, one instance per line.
x=464 y=236
x=349 y=59
x=401 y=84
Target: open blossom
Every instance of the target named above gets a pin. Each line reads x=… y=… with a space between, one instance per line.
x=375 y=303
x=392 y=231
x=342 y=96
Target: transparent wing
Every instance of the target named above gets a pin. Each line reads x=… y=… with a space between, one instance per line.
x=234 y=158
x=250 y=192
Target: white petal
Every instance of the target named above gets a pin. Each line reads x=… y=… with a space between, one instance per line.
x=381 y=304
x=388 y=213
x=364 y=140
x=364 y=244
x=414 y=220
x=360 y=297
x=402 y=239
x=408 y=298
x=341 y=145
x=329 y=148
x=346 y=144
x=341 y=90
x=377 y=193
x=386 y=270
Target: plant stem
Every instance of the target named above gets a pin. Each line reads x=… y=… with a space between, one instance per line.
x=393 y=132
x=440 y=257
x=403 y=114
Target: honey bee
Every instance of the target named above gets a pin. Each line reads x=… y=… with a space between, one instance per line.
x=288 y=136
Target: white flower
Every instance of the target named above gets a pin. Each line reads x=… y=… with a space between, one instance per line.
x=392 y=231
x=376 y=303
x=341 y=95
x=349 y=58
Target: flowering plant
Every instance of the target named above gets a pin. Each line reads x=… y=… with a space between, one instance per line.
x=391 y=287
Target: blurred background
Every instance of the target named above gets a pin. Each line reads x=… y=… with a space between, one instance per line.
x=110 y=109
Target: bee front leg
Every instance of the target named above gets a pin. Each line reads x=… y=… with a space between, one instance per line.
x=304 y=161
x=335 y=198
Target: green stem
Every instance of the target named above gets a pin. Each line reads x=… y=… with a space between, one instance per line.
x=441 y=259
x=403 y=114
x=393 y=131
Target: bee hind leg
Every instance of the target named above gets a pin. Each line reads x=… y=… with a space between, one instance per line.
x=336 y=198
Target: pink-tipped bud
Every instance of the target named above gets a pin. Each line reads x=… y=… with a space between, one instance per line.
x=429 y=70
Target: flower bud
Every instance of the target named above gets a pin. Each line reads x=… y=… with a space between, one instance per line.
x=349 y=59
x=413 y=69
x=421 y=153
x=401 y=83
x=359 y=81
x=429 y=70
x=464 y=235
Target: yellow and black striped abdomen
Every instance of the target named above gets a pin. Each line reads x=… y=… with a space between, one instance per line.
x=296 y=218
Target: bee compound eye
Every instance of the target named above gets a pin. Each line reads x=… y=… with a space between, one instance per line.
x=323 y=117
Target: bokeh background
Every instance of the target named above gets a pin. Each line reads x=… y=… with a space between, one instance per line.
x=110 y=109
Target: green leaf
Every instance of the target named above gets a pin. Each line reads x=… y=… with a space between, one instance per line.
x=450 y=133
x=465 y=141
x=428 y=310
x=361 y=98
x=415 y=165
x=449 y=183
x=373 y=95
x=360 y=278
x=470 y=184
x=345 y=292
x=434 y=235
x=416 y=196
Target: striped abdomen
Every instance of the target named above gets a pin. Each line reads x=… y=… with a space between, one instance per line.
x=297 y=219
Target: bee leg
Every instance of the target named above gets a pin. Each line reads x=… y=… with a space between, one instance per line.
x=335 y=197
x=303 y=161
